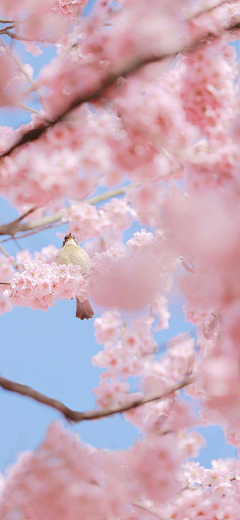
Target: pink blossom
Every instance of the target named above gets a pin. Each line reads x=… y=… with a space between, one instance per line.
x=130 y=284
x=85 y=220
x=107 y=326
x=40 y=284
x=69 y=8
x=112 y=392
x=155 y=465
x=159 y=309
x=140 y=239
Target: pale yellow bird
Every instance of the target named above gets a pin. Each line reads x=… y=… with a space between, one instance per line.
x=72 y=253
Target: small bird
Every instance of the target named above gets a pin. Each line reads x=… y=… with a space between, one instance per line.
x=72 y=253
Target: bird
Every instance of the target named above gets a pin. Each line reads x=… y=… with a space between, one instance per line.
x=72 y=253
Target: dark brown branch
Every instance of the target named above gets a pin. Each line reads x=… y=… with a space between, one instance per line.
x=90 y=415
x=5 y=283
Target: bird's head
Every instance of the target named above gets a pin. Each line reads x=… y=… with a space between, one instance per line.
x=70 y=239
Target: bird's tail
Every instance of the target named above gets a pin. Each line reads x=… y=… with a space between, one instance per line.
x=84 y=310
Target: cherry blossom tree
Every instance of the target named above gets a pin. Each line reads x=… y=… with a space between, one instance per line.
x=138 y=121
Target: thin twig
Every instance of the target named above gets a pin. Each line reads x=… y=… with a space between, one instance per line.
x=25 y=39
x=23 y=71
x=5 y=253
x=5 y=283
x=90 y=415
x=29 y=109
x=19 y=247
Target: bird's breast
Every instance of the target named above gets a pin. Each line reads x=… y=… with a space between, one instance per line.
x=74 y=255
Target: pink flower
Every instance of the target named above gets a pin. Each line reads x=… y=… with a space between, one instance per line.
x=40 y=284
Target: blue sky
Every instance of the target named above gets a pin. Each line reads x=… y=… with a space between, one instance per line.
x=52 y=352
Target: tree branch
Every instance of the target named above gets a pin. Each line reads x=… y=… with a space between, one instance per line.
x=90 y=415
x=3 y=20
x=30 y=233
x=4 y=30
x=16 y=226
x=105 y=83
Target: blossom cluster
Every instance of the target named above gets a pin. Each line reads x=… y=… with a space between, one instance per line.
x=86 y=221
x=65 y=478
x=8 y=265
x=138 y=275
x=69 y=8
x=131 y=351
x=212 y=294
x=131 y=278
x=208 y=492
x=40 y=284
x=152 y=122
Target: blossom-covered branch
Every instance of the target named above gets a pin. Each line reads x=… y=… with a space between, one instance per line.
x=90 y=415
x=103 y=84
x=16 y=226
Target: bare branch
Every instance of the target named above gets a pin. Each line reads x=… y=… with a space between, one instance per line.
x=5 y=283
x=90 y=415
